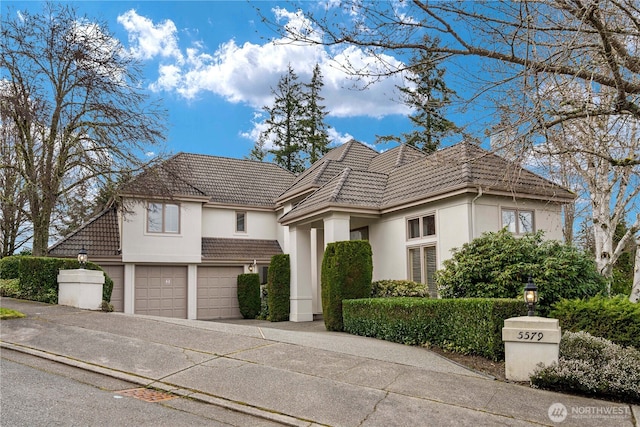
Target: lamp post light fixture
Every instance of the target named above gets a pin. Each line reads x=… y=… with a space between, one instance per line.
x=83 y=257
x=531 y=296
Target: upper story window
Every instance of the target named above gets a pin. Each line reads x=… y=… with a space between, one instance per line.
x=421 y=227
x=163 y=218
x=518 y=221
x=241 y=222
x=359 y=234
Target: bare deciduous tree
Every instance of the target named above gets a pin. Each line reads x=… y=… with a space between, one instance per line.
x=528 y=48
x=591 y=41
x=74 y=98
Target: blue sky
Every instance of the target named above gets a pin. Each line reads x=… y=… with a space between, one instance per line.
x=213 y=65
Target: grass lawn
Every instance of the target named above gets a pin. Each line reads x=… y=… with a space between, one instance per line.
x=7 y=313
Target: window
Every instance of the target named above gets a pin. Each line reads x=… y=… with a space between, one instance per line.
x=359 y=234
x=422 y=227
x=517 y=221
x=163 y=218
x=422 y=267
x=241 y=218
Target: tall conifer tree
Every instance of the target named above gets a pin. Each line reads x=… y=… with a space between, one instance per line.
x=429 y=96
x=315 y=128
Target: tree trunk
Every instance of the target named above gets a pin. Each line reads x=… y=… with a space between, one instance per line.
x=635 y=289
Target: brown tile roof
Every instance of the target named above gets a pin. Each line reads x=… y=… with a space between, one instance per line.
x=352 y=154
x=465 y=165
x=404 y=175
x=239 y=249
x=394 y=158
x=223 y=180
x=350 y=189
x=100 y=237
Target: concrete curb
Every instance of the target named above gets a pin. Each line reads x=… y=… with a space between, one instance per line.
x=149 y=382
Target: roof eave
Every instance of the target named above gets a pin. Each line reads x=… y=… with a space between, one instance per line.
x=311 y=216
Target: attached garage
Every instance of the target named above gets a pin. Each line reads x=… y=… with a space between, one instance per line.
x=161 y=291
x=116 y=272
x=217 y=292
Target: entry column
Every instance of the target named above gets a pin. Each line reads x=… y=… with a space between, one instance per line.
x=301 y=307
x=336 y=228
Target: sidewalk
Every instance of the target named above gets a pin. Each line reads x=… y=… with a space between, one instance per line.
x=294 y=373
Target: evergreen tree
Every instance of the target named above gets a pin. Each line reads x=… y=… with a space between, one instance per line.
x=285 y=123
x=429 y=96
x=315 y=128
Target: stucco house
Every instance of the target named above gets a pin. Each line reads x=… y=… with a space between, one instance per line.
x=186 y=229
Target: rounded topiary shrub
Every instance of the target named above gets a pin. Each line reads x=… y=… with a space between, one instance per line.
x=347 y=268
x=497 y=265
x=278 y=288
x=249 y=295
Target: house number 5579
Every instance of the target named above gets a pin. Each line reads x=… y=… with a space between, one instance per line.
x=530 y=336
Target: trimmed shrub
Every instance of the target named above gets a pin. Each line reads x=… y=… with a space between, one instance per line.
x=497 y=265
x=347 y=268
x=10 y=288
x=39 y=278
x=464 y=325
x=249 y=295
x=592 y=366
x=398 y=288
x=616 y=319
x=278 y=288
x=9 y=267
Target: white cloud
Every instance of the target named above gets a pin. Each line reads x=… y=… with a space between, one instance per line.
x=149 y=40
x=245 y=73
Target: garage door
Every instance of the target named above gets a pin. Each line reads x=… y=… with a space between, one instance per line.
x=217 y=292
x=116 y=272
x=161 y=291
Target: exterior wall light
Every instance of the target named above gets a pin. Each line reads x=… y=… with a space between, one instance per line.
x=531 y=296
x=83 y=257
x=252 y=266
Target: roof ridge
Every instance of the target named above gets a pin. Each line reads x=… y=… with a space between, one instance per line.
x=340 y=184
x=213 y=156
x=179 y=177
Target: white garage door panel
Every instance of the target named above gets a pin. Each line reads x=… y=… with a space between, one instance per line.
x=218 y=292
x=116 y=272
x=161 y=291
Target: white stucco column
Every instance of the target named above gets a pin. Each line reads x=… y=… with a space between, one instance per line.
x=192 y=293
x=129 y=288
x=301 y=308
x=336 y=228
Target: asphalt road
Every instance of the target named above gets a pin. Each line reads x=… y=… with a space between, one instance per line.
x=37 y=392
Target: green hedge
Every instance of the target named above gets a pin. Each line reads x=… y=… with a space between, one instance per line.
x=347 y=268
x=464 y=325
x=278 y=288
x=616 y=319
x=9 y=267
x=249 y=295
x=38 y=276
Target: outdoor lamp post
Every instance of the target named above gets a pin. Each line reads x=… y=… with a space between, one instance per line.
x=83 y=257
x=531 y=296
